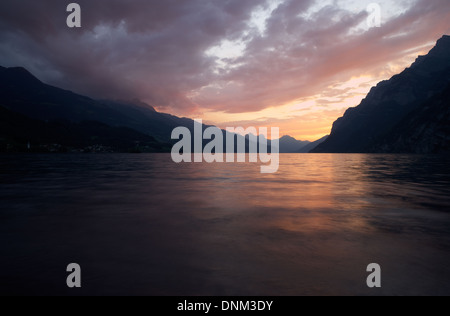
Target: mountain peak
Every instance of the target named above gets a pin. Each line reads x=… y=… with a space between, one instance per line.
x=442 y=45
x=436 y=59
x=287 y=137
x=20 y=70
x=387 y=105
x=143 y=104
x=19 y=75
x=135 y=103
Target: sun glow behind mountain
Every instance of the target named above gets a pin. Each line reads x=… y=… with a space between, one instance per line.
x=316 y=112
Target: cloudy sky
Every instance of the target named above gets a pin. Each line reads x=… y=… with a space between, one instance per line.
x=295 y=64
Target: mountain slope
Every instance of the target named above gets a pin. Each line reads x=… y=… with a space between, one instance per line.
x=23 y=93
x=425 y=130
x=390 y=102
x=307 y=149
x=19 y=133
x=144 y=118
x=291 y=145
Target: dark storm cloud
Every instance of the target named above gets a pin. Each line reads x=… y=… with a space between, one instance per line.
x=149 y=49
x=155 y=50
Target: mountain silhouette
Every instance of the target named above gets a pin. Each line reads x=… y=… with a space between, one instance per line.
x=23 y=93
x=306 y=149
x=33 y=111
x=19 y=133
x=396 y=107
x=289 y=144
x=425 y=130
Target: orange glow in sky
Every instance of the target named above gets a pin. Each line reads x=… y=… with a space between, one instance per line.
x=293 y=64
x=312 y=118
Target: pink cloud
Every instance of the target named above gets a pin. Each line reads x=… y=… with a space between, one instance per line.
x=155 y=50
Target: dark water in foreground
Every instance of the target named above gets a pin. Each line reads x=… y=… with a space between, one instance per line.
x=140 y=224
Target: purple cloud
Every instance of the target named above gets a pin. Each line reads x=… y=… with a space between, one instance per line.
x=156 y=50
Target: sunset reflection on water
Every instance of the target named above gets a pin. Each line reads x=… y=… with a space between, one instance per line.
x=141 y=224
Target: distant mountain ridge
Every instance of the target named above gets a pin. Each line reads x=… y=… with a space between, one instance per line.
x=369 y=126
x=307 y=149
x=291 y=145
x=23 y=93
x=19 y=133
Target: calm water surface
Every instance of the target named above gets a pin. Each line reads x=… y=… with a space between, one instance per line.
x=140 y=224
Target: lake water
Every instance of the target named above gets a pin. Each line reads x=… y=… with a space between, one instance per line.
x=140 y=224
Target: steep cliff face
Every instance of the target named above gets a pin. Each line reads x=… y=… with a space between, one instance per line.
x=364 y=128
x=425 y=130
